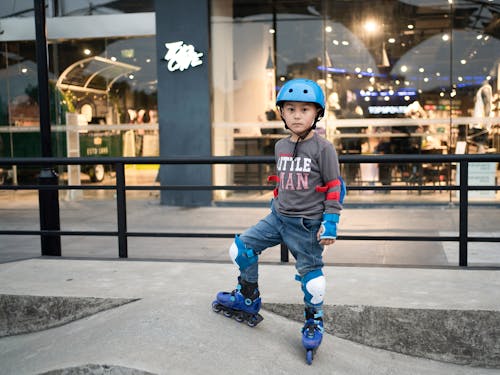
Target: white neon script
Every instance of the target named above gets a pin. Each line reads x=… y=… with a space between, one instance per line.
x=182 y=56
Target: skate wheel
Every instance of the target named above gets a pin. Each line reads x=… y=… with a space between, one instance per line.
x=227 y=314
x=251 y=323
x=309 y=357
x=216 y=307
x=239 y=318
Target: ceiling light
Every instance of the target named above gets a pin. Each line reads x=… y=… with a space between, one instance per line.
x=371 y=26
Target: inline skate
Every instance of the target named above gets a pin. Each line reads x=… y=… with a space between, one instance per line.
x=243 y=303
x=312 y=332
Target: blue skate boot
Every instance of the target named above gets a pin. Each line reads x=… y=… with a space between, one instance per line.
x=243 y=303
x=312 y=332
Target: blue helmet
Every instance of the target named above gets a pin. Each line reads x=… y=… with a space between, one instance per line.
x=302 y=90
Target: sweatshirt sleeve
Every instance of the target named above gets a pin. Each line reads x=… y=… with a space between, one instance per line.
x=333 y=186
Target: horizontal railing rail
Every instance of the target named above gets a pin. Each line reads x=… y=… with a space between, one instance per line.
x=122 y=233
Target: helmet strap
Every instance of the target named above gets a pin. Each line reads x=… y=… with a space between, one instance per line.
x=302 y=136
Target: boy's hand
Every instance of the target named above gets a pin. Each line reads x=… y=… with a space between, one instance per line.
x=328 y=231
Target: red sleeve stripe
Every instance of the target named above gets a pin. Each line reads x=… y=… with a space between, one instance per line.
x=333 y=196
x=328 y=185
x=273 y=178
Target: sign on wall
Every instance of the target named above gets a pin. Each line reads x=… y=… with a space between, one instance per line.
x=480 y=174
x=181 y=56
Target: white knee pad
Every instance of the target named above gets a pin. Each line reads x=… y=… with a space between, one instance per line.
x=313 y=286
x=316 y=288
x=242 y=256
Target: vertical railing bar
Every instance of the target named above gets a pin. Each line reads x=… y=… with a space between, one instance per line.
x=463 y=214
x=121 y=210
x=284 y=252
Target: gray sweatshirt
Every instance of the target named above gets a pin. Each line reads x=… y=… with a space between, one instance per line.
x=316 y=165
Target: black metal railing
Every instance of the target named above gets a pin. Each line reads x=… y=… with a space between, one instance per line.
x=50 y=225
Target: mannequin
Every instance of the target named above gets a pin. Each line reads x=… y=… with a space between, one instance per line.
x=484 y=102
x=482 y=108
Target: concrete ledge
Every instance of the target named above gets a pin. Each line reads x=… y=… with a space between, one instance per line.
x=465 y=337
x=97 y=370
x=21 y=314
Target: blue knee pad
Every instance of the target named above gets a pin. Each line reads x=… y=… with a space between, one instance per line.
x=240 y=255
x=313 y=286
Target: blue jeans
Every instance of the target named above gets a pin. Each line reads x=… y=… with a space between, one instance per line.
x=298 y=233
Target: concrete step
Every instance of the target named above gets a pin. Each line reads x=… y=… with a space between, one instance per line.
x=171 y=329
x=465 y=337
x=160 y=337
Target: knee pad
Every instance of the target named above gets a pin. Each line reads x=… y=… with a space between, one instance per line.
x=240 y=255
x=313 y=286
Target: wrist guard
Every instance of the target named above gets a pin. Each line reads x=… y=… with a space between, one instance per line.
x=329 y=226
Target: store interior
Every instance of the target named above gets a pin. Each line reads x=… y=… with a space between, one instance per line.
x=400 y=77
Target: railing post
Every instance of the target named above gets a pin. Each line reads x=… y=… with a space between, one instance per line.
x=121 y=210
x=463 y=213
x=48 y=199
x=48 y=206
x=284 y=253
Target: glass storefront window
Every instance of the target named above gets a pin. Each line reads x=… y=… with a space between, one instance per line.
x=107 y=83
x=114 y=78
x=400 y=77
x=24 y=8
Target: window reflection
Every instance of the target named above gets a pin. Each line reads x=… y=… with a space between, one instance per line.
x=24 y=8
x=399 y=76
x=108 y=83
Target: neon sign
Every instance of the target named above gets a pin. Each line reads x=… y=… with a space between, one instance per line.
x=182 y=56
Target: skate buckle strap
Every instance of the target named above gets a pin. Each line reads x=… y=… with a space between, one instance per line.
x=312 y=325
x=250 y=253
x=318 y=327
x=317 y=314
x=238 y=289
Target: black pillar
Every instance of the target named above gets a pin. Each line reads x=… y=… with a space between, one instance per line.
x=184 y=96
x=48 y=198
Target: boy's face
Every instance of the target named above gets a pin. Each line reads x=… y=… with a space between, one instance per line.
x=299 y=116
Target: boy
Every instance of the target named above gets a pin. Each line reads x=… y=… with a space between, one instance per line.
x=304 y=213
